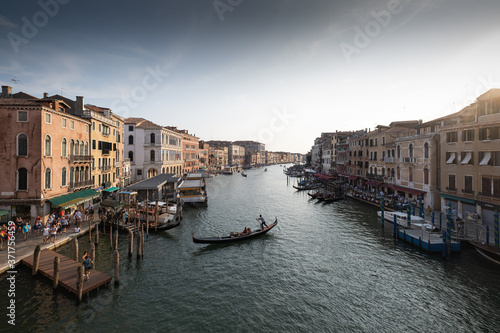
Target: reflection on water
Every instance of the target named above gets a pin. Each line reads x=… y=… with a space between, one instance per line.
x=324 y=267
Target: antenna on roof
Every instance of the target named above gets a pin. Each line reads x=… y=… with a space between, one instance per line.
x=15 y=80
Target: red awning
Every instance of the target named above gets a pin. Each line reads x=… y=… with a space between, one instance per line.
x=324 y=177
x=407 y=190
x=370 y=182
x=386 y=185
x=353 y=177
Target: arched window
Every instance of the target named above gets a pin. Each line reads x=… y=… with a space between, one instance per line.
x=86 y=148
x=63 y=177
x=398 y=150
x=426 y=176
x=71 y=176
x=76 y=148
x=392 y=172
x=426 y=150
x=398 y=172
x=71 y=147
x=383 y=172
x=22 y=145
x=48 y=180
x=64 y=145
x=131 y=156
x=153 y=138
x=152 y=155
x=130 y=140
x=22 y=179
x=410 y=174
x=48 y=146
x=410 y=151
x=82 y=149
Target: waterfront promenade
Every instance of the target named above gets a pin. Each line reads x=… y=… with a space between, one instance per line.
x=23 y=249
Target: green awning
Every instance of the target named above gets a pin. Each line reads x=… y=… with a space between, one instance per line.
x=111 y=189
x=73 y=199
x=3 y=212
x=446 y=196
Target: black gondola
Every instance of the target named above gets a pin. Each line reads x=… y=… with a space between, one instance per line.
x=228 y=239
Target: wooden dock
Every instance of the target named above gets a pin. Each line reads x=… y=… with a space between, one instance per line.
x=67 y=273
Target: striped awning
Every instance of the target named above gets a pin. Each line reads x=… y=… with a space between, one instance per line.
x=73 y=199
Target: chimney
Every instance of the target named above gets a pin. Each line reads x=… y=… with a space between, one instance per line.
x=6 y=92
x=79 y=106
x=45 y=95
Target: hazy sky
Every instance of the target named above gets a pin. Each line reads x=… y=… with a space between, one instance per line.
x=279 y=72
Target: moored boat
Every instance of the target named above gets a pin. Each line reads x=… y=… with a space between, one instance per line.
x=489 y=251
x=402 y=219
x=228 y=239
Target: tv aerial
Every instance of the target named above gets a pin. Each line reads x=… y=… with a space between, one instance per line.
x=15 y=80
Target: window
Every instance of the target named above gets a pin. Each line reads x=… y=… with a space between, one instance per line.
x=131 y=156
x=63 y=176
x=489 y=133
x=466 y=158
x=86 y=149
x=22 y=145
x=468 y=184
x=426 y=176
x=131 y=128
x=451 y=183
x=93 y=125
x=468 y=135
x=139 y=172
x=48 y=146
x=72 y=124
x=86 y=128
x=130 y=140
x=93 y=144
x=152 y=155
x=490 y=187
x=48 y=174
x=450 y=158
x=22 y=179
x=153 y=138
x=398 y=170
x=426 y=150
x=410 y=151
x=100 y=128
x=398 y=151
x=22 y=116
x=63 y=123
x=410 y=174
x=64 y=147
x=452 y=137
x=48 y=118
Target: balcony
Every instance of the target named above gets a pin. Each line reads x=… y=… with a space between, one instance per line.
x=78 y=185
x=454 y=189
x=80 y=158
x=152 y=144
x=390 y=160
x=410 y=160
x=467 y=191
x=489 y=194
x=105 y=152
x=105 y=168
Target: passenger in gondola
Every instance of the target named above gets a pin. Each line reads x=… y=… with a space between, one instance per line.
x=245 y=231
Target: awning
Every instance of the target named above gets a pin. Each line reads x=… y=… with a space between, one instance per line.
x=111 y=189
x=73 y=199
x=407 y=190
x=467 y=158
x=486 y=159
x=353 y=177
x=386 y=185
x=3 y=212
x=451 y=159
x=446 y=196
x=370 y=182
x=324 y=177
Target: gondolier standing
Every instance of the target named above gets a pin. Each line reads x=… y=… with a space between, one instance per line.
x=262 y=222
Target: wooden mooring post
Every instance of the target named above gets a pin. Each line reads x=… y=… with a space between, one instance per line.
x=96 y=241
x=139 y=245
x=92 y=253
x=79 y=283
x=115 y=245
x=130 y=243
x=36 y=260
x=110 y=236
x=57 y=264
x=74 y=248
x=116 y=267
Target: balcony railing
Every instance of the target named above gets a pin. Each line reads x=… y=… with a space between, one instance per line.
x=390 y=160
x=409 y=160
x=77 y=185
x=105 y=167
x=467 y=191
x=489 y=194
x=451 y=189
x=80 y=158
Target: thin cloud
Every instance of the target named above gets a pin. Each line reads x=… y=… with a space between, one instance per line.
x=5 y=22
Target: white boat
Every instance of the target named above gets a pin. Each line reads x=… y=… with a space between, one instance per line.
x=193 y=192
x=402 y=219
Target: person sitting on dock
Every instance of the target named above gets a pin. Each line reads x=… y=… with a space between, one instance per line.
x=262 y=222
x=87 y=265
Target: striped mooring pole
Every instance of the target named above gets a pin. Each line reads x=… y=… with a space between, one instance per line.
x=395 y=226
x=382 y=211
x=408 y=214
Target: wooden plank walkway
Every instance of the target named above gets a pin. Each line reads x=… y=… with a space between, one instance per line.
x=67 y=272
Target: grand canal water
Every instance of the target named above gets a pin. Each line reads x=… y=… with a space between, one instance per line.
x=324 y=268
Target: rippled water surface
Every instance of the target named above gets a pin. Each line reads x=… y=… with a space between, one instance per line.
x=324 y=268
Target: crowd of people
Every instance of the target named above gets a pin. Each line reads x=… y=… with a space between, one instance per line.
x=392 y=200
x=56 y=224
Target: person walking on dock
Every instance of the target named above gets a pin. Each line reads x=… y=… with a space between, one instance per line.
x=26 y=230
x=87 y=265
